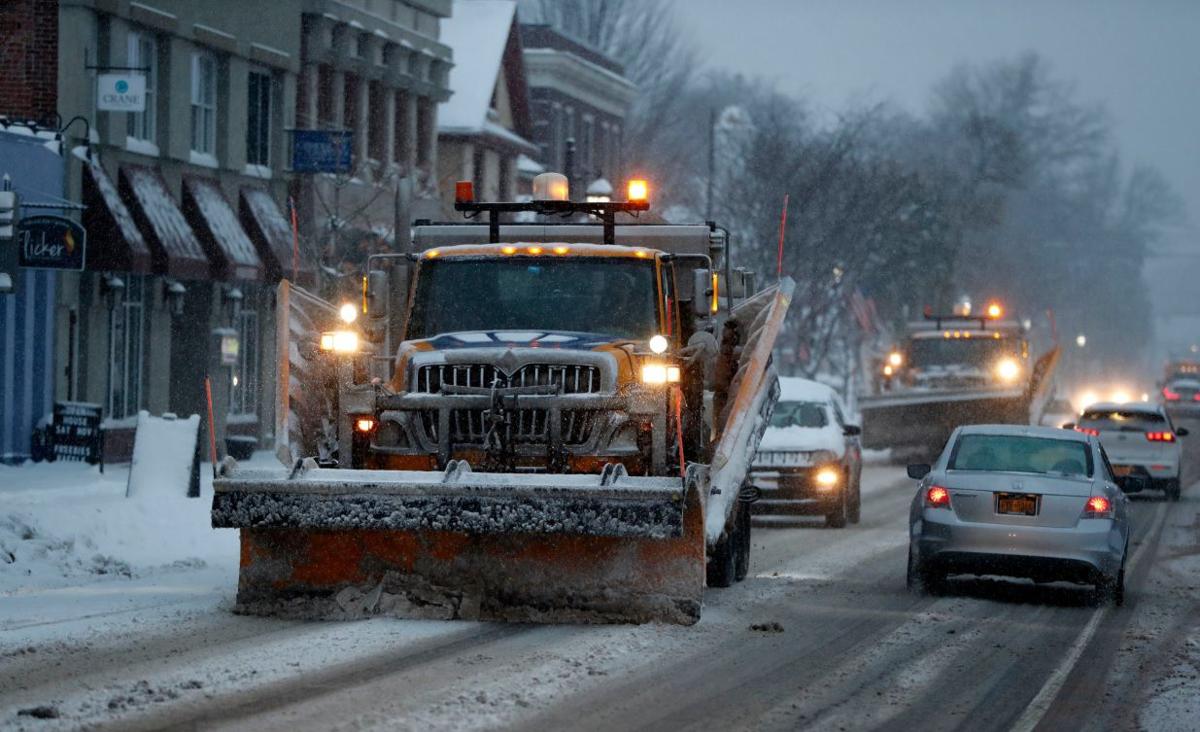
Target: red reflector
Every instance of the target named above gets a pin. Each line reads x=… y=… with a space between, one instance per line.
x=1160 y=436
x=937 y=497
x=1088 y=431
x=1098 y=506
x=464 y=191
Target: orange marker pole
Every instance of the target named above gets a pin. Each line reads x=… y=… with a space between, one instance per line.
x=782 y=228
x=295 y=239
x=212 y=436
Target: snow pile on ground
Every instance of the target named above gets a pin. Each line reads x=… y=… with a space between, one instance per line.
x=63 y=521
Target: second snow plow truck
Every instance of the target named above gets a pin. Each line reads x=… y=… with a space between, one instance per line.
x=545 y=422
x=952 y=370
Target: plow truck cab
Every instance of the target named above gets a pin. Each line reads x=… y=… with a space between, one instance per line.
x=547 y=421
x=951 y=370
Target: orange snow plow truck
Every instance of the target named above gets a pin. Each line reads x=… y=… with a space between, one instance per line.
x=535 y=422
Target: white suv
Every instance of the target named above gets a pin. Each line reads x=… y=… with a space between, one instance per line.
x=1139 y=439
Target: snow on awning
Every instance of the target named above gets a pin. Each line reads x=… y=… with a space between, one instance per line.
x=269 y=230
x=175 y=250
x=216 y=225
x=114 y=241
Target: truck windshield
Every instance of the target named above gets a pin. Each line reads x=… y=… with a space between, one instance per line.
x=977 y=352
x=610 y=296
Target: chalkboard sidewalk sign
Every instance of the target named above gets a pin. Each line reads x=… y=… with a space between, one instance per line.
x=77 y=434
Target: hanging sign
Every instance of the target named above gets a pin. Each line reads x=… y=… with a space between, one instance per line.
x=50 y=242
x=121 y=92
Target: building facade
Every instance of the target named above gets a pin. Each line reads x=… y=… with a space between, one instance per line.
x=579 y=99
x=377 y=70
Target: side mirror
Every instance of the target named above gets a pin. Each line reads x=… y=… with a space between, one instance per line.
x=916 y=471
x=851 y=430
x=702 y=292
x=377 y=293
x=1069 y=426
x=1182 y=431
x=1133 y=483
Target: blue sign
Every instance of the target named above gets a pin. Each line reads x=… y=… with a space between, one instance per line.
x=321 y=151
x=50 y=242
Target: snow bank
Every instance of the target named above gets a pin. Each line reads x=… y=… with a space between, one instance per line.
x=62 y=523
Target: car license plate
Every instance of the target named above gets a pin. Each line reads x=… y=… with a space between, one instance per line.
x=1120 y=470
x=1021 y=504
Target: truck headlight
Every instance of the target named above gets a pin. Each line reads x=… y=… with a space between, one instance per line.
x=340 y=341
x=1007 y=369
x=660 y=373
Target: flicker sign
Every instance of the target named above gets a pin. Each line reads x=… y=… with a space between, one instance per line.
x=121 y=92
x=50 y=242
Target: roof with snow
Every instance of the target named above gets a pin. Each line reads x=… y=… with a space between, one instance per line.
x=483 y=35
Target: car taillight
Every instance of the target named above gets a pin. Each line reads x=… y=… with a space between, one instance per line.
x=1171 y=396
x=1088 y=431
x=1098 y=507
x=1160 y=436
x=937 y=497
x=1196 y=397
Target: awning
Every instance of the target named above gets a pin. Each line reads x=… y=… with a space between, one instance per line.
x=175 y=249
x=114 y=242
x=212 y=218
x=272 y=234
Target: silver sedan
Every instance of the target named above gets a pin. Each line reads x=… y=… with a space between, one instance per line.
x=1021 y=501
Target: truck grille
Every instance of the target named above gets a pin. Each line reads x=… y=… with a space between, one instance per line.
x=527 y=427
x=570 y=378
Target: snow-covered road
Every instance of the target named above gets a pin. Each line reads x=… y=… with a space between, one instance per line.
x=852 y=648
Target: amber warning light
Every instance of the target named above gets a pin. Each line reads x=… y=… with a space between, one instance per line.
x=639 y=190
x=464 y=191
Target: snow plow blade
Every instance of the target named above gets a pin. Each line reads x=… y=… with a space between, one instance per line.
x=339 y=544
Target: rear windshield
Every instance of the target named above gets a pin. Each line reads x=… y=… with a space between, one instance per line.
x=1124 y=420
x=1021 y=454
x=799 y=414
x=1186 y=385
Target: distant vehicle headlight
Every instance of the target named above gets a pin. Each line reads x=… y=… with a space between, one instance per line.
x=1008 y=369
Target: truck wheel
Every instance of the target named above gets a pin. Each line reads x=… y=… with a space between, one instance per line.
x=855 y=513
x=743 y=554
x=722 y=563
x=836 y=519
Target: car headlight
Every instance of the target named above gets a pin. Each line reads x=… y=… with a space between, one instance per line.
x=1008 y=369
x=827 y=478
x=340 y=341
x=660 y=373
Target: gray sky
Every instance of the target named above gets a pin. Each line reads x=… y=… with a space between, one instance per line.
x=1142 y=59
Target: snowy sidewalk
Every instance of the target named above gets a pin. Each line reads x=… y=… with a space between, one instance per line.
x=65 y=523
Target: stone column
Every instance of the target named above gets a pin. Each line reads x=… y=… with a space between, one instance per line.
x=362 y=119
x=408 y=130
x=311 y=78
x=389 y=128
x=337 y=89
